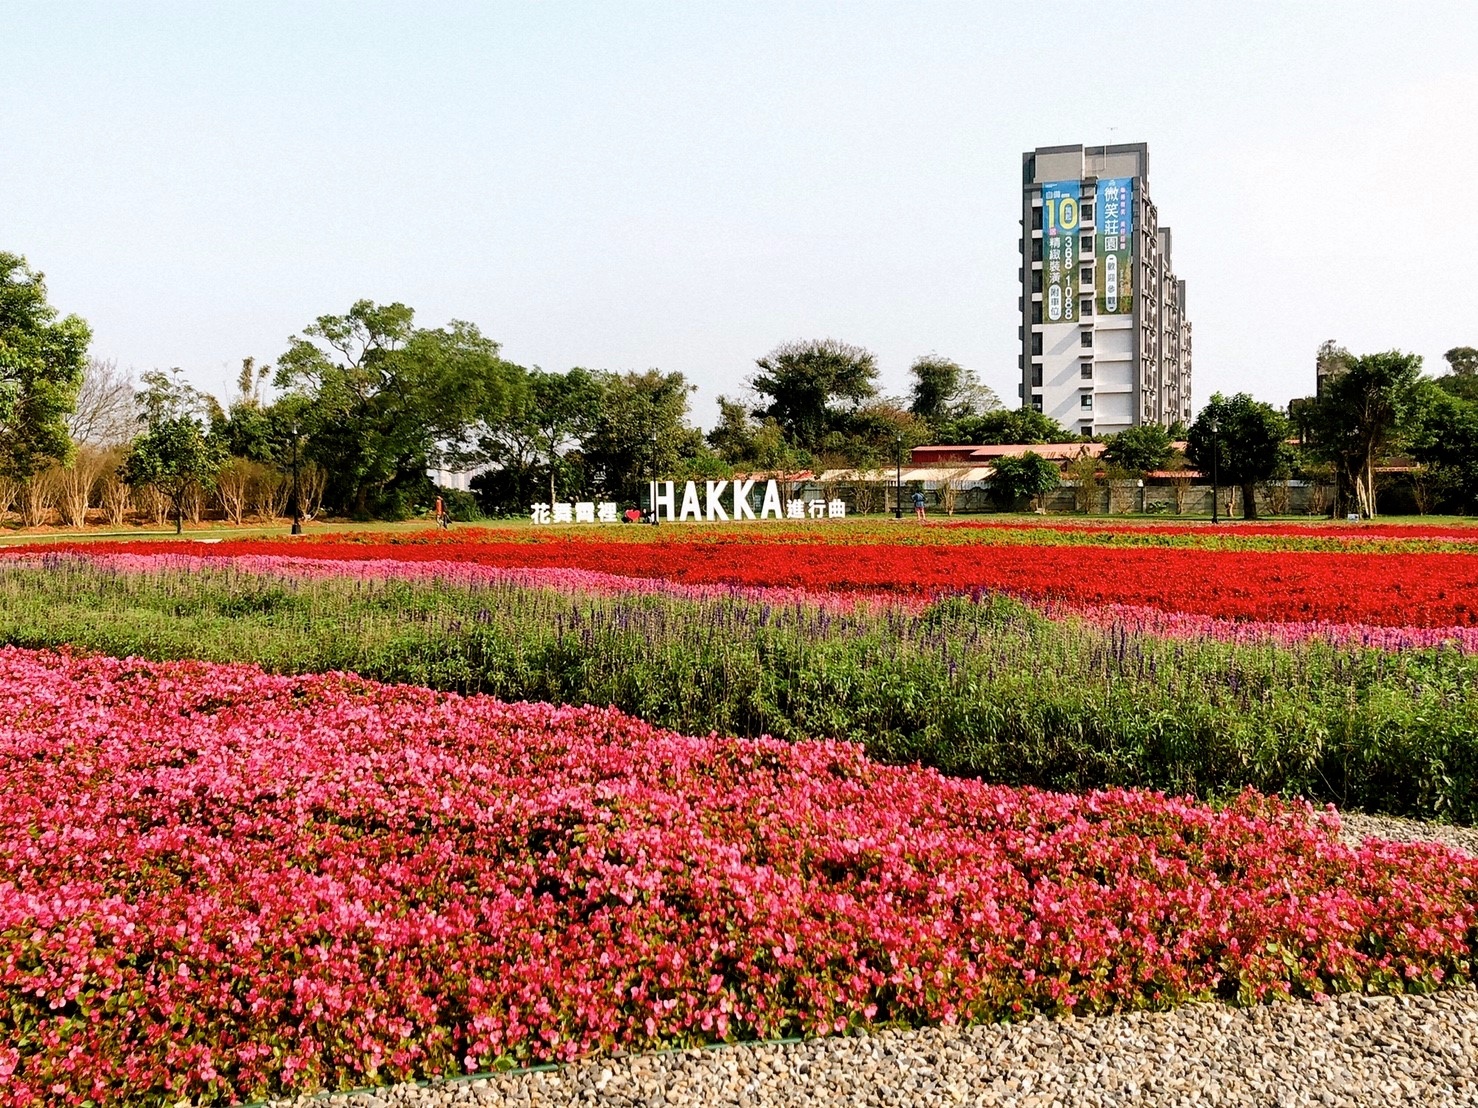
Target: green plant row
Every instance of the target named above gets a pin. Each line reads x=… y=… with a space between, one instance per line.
x=986 y=688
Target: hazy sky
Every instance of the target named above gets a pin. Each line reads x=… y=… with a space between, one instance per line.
x=685 y=185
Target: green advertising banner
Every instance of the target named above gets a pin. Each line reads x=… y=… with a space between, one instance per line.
x=1060 y=201
x=1115 y=255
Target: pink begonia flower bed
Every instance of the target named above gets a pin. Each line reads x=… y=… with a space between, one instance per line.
x=1135 y=619
x=218 y=883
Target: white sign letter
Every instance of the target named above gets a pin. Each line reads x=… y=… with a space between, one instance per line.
x=715 y=505
x=690 y=502
x=663 y=499
x=772 y=502
x=742 y=509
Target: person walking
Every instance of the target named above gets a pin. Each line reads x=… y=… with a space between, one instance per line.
x=442 y=520
x=918 y=505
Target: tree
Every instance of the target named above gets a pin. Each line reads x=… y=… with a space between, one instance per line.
x=175 y=454
x=104 y=412
x=1463 y=360
x=1443 y=438
x=1023 y=426
x=1022 y=476
x=42 y=359
x=1365 y=412
x=564 y=407
x=943 y=390
x=1250 y=443
x=641 y=431
x=748 y=444
x=809 y=384
x=387 y=400
x=1141 y=449
x=1459 y=385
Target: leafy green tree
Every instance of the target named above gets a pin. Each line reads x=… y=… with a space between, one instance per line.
x=1463 y=360
x=1023 y=476
x=1024 y=425
x=808 y=385
x=1368 y=410
x=1443 y=439
x=1250 y=444
x=387 y=400
x=1140 y=450
x=175 y=452
x=640 y=432
x=41 y=369
x=749 y=445
x=1462 y=386
x=565 y=407
x=943 y=391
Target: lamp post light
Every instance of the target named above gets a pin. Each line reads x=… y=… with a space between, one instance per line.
x=1215 y=481
x=898 y=477
x=297 y=499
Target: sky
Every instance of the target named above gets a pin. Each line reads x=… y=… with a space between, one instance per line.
x=686 y=185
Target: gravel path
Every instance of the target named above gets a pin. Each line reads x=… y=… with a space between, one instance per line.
x=1350 y=1051
x=1357 y=827
x=1353 y=1050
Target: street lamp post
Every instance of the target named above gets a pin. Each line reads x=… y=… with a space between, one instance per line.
x=1215 y=481
x=898 y=477
x=297 y=499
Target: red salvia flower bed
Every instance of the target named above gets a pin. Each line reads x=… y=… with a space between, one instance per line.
x=1379 y=589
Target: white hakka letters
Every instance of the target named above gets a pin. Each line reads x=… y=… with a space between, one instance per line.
x=705 y=505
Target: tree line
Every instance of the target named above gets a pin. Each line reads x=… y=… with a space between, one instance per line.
x=361 y=407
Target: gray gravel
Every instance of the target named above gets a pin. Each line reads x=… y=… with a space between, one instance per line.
x=1352 y=1050
x=1357 y=827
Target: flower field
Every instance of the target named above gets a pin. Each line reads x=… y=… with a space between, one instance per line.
x=288 y=815
x=1429 y=589
x=314 y=881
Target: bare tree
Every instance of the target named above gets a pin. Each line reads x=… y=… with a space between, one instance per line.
x=105 y=414
x=949 y=490
x=37 y=496
x=76 y=482
x=114 y=495
x=10 y=490
x=152 y=503
x=234 y=486
x=269 y=496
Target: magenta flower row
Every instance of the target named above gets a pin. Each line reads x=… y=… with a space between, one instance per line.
x=219 y=883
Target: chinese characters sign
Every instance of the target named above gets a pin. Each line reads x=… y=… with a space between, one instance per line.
x=1115 y=222
x=710 y=506
x=1060 y=201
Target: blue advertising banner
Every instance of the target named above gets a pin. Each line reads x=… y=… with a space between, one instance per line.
x=1115 y=254
x=1060 y=207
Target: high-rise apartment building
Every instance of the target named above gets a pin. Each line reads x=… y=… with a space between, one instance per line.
x=1105 y=343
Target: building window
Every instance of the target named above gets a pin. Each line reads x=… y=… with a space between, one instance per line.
x=1036 y=403
x=1036 y=311
x=1086 y=400
x=1036 y=376
x=1086 y=339
x=1086 y=371
x=1085 y=306
x=1036 y=219
x=1036 y=250
x=1036 y=280
x=1086 y=274
x=1019 y=389
x=1086 y=210
x=1037 y=343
